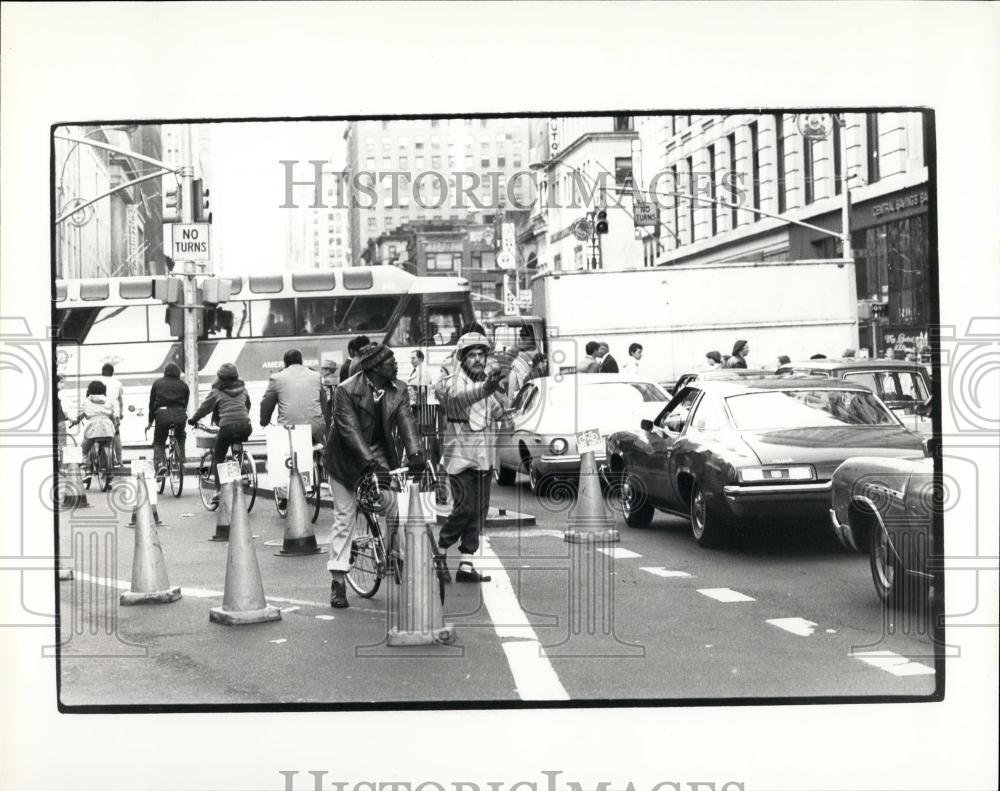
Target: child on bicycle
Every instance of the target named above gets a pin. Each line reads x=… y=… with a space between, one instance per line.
x=99 y=413
x=229 y=399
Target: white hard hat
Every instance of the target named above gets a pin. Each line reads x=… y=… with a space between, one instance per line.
x=470 y=341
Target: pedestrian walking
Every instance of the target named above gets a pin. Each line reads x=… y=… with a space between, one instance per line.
x=353 y=346
x=297 y=393
x=738 y=359
x=473 y=409
x=370 y=409
x=609 y=365
x=632 y=366
x=168 y=402
x=116 y=398
x=589 y=364
x=229 y=401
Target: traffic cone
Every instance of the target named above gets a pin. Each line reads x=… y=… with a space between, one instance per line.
x=149 y=572
x=223 y=515
x=589 y=519
x=243 y=601
x=416 y=616
x=300 y=539
x=71 y=491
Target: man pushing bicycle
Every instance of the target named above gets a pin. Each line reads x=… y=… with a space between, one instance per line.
x=371 y=418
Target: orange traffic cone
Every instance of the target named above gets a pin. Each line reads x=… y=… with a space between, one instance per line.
x=300 y=539
x=243 y=601
x=589 y=519
x=149 y=573
x=416 y=615
x=71 y=491
x=223 y=514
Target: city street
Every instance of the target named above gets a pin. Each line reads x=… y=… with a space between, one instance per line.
x=786 y=616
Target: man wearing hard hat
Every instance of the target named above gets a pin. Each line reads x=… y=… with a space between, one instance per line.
x=472 y=409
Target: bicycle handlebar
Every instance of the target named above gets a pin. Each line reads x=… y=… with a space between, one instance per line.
x=209 y=429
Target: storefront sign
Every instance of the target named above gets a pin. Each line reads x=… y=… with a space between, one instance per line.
x=890 y=208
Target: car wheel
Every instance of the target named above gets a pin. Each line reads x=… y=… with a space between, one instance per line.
x=710 y=529
x=538 y=483
x=886 y=572
x=636 y=508
x=504 y=476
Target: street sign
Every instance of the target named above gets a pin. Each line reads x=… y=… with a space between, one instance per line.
x=525 y=300
x=589 y=440
x=582 y=229
x=645 y=214
x=505 y=260
x=190 y=242
x=508 y=236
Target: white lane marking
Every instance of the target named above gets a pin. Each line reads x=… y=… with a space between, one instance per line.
x=894 y=663
x=326 y=617
x=664 y=572
x=725 y=594
x=799 y=626
x=534 y=676
x=278 y=642
x=290 y=609
x=618 y=552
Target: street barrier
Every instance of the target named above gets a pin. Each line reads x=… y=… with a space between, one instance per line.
x=589 y=519
x=149 y=572
x=223 y=516
x=243 y=600
x=299 y=538
x=416 y=614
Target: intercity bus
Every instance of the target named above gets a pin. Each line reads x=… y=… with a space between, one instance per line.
x=318 y=311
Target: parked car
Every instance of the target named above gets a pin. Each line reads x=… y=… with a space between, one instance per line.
x=728 y=451
x=884 y=507
x=539 y=436
x=712 y=374
x=903 y=386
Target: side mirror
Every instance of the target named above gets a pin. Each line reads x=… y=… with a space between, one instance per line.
x=646 y=425
x=924 y=409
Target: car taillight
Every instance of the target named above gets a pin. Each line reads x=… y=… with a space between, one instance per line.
x=797 y=472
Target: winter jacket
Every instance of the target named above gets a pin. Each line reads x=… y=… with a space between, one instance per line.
x=168 y=391
x=472 y=412
x=100 y=414
x=609 y=365
x=232 y=401
x=348 y=453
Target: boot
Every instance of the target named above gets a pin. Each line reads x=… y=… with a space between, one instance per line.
x=466 y=573
x=338 y=594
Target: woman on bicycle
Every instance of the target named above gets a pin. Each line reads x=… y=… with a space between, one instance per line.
x=229 y=399
x=100 y=416
x=168 y=399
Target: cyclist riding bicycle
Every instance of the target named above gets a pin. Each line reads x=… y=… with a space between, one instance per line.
x=168 y=399
x=115 y=396
x=369 y=410
x=230 y=398
x=299 y=396
x=99 y=413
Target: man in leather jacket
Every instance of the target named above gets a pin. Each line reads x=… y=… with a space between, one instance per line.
x=371 y=418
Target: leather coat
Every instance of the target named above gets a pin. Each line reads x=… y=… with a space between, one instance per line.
x=348 y=452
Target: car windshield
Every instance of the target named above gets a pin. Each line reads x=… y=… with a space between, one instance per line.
x=607 y=393
x=895 y=385
x=809 y=408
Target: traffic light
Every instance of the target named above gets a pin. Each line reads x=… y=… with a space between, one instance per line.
x=215 y=290
x=601 y=221
x=879 y=309
x=173 y=205
x=168 y=289
x=200 y=195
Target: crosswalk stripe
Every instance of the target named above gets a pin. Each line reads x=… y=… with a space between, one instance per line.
x=663 y=572
x=619 y=553
x=798 y=626
x=894 y=663
x=726 y=595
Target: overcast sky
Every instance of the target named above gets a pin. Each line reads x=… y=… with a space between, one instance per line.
x=247 y=184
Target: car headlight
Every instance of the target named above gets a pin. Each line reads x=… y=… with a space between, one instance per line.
x=558 y=446
x=798 y=472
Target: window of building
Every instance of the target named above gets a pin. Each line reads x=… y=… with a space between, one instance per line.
x=871 y=125
x=369 y=146
x=623 y=123
x=779 y=160
x=837 y=162
x=435 y=123
x=402 y=141
x=386 y=163
x=435 y=162
x=444 y=262
x=755 y=169
x=484 y=121
x=808 y=169
x=623 y=171
x=731 y=196
x=404 y=162
x=370 y=163
x=517 y=160
x=451 y=161
x=712 y=180
x=385 y=125
x=386 y=145
x=690 y=198
x=435 y=141
x=557 y=262
x=418 y=142
x=387 y=223
x=501 y=162
x=675 y=187
x=418 y=163
x=485 y=162
x=372 y=223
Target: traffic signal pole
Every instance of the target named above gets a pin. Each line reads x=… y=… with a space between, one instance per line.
x=186 y=173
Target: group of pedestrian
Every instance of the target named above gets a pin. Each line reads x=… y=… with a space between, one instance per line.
x=598 y=359
x=738 y=359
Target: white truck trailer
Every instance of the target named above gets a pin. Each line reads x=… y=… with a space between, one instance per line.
x=678 y=313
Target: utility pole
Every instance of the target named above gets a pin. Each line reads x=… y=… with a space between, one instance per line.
x=186 y=173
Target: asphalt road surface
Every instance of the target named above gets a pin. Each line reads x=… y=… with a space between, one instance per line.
x=652 y=617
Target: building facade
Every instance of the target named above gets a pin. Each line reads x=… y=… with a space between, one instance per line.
x=447 y=169
x=316 y=238
x=763 y=162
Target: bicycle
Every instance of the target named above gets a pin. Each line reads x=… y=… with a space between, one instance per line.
x=98 y=462
x=315 y=490
x=206 y=472
x=175 y=467
x=370 y=560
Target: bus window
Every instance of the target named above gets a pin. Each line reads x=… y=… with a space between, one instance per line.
x=407 y=330
x=271 y=318
x=229 y=320
x=322 y=315
x=443 y=324
x=370 y=314
x=74 y=323
x=118 y=325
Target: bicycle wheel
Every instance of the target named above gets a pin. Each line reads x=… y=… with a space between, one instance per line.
x=367 y=566
x=104 y=469
x=248 y=473
x=175 y=469
x=161 y=480
x=88 y=472
x=206 y=482
x=395 y=558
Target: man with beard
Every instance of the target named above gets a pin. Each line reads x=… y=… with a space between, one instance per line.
x=472 y=410
x=369 y=409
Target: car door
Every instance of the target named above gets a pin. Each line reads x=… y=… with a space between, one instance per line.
x=651 y=458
